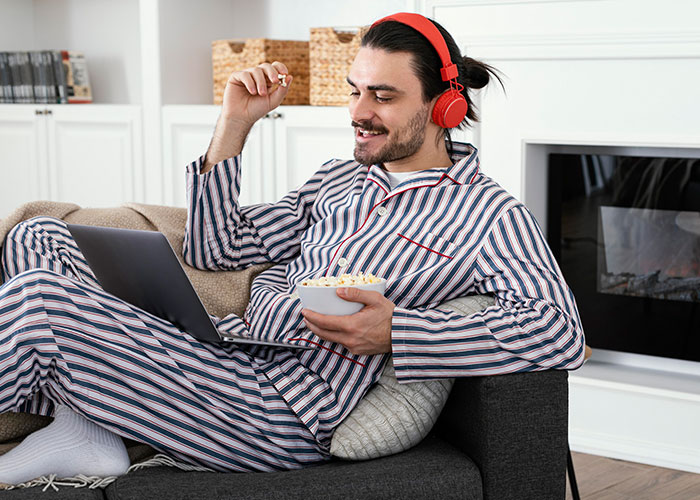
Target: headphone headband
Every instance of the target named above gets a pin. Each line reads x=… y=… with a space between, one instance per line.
x=423 y=26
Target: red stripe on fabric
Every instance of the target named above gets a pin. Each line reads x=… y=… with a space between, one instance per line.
x=453 y=180
x=380 y=186
x=423 y=246
x=353 y=234
x=329 y=350
x=370 y=213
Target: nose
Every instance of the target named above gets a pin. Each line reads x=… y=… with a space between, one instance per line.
x=361 y=108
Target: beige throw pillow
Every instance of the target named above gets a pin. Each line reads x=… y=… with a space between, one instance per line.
x=394 y=417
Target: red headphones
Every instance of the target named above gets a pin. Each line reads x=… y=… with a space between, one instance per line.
x=451 y=107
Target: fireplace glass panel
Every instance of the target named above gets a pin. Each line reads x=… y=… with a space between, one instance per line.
x=649 y=253
x=626 y=233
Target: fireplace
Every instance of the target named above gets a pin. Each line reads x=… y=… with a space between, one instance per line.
x=626 y=233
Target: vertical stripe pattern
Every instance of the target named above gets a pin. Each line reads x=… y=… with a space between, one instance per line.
x=438 y=235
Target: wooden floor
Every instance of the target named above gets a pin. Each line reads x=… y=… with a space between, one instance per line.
x=601 y=478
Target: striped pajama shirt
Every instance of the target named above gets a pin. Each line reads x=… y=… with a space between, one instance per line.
x=441 y=234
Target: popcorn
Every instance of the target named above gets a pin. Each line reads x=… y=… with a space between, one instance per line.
x=342 y=280
x=283 y=79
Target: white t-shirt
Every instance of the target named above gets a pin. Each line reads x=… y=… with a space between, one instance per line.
x=396 y=178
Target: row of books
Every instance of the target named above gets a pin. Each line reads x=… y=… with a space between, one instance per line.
x=44 y=77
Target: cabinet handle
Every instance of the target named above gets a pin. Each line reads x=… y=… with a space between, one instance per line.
x=48 y=112
x=276 y=115
x=38 y=111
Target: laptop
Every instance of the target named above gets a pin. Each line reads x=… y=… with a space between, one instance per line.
x=141 y=268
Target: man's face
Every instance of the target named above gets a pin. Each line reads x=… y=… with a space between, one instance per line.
x=386 y=107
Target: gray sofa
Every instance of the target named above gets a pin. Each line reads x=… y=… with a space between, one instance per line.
x=499 y=438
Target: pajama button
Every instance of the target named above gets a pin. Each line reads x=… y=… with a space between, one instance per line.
x=382 y=211
x=342 y=262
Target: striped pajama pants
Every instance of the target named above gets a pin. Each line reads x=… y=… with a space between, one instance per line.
x=64 y=340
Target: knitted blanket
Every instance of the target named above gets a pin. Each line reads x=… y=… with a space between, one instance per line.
x=222 y=292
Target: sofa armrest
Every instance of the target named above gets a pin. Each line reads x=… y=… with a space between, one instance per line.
x=515 y=428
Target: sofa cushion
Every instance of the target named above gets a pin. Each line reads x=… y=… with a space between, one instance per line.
x=393 y=417
x=433 y=469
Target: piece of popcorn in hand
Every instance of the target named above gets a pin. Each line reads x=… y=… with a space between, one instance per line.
x=282 y=79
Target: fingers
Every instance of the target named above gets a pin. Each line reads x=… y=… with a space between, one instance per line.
x=244 y=78
x=260 y=79
x=280 y=67
x=328 y=327
x=330 y=335
x=326 y=321
x=353 y=294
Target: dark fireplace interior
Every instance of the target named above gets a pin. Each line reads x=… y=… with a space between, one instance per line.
x=626 y=233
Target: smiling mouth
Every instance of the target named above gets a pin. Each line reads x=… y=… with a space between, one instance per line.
x=368 y=133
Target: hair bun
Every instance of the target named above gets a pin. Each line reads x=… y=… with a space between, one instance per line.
x=477 y=74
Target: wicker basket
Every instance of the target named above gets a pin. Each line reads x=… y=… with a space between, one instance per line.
x=233 y=55
x=331 y=54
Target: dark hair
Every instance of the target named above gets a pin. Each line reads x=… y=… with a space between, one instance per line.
x=394 y=36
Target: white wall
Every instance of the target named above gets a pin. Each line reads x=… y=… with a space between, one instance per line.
x=187 y=29
x=624 y=69
x=107 y=31
x=291 y=20
x=16 y=25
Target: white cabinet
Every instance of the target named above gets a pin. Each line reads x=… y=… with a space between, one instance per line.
x=282 y=151
x=306 y=137
x=90 y=155
x=23 y=166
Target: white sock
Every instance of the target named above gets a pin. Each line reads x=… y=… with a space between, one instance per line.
x=69 y=446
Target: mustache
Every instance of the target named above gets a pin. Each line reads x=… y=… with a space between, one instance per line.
x=367 y=125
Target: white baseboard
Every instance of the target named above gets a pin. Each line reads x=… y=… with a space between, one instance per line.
x=645 y=452
x=636 y=415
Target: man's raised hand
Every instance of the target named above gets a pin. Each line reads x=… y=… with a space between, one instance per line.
x=249 y=95
x=252 y=93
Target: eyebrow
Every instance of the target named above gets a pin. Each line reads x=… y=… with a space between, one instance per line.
x=384 y=87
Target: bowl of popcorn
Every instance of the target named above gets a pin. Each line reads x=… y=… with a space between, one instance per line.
x=320 y=295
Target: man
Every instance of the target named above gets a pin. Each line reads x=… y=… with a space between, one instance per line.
x=413 y=208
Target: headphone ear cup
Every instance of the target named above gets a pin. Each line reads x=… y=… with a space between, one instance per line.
x=450 y=109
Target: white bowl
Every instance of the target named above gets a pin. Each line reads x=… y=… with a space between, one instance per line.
x=325 y=300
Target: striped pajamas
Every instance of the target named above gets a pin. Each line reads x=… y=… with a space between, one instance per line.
x=64 y=340
x=441 y=234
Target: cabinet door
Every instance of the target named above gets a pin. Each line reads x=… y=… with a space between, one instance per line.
x=187 y=131
x=22 y=156
x=95 y=154
x=306 y=138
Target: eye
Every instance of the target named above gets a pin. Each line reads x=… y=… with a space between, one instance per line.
x=382 y=99
x=354 y=93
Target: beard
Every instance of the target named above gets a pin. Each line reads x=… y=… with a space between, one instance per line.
x=408 y=140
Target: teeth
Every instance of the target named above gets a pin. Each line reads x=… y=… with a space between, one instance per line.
x=365 y=132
